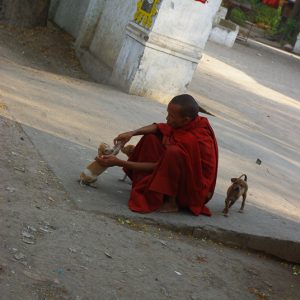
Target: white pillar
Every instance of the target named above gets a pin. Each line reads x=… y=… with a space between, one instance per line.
x=52 y=9
x=89 y=24
x=160 y=62
x=297 y=45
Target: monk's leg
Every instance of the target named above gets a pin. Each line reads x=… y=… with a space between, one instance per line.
x=168 y=177
x=170 y=205
x=148 y=149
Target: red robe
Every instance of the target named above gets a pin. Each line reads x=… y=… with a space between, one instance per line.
x=272 y=3
x=187 y=168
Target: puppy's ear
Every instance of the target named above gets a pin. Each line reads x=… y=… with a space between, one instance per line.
x=233 y=180
x=101 y=148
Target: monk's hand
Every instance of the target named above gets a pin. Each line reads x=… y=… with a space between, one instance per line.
x=108 y=160
x=123 y=138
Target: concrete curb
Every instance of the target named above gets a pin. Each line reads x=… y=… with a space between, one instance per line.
x=282 y=249
x=287 y=250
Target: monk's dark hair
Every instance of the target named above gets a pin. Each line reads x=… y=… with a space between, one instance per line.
x=188 y=104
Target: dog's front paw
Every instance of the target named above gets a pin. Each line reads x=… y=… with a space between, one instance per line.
x=225 y=215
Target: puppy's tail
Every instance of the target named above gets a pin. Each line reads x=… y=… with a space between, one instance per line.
x=245 y=177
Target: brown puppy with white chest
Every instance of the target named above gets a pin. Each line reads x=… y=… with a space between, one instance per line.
x=94 y=169
x=238 y=188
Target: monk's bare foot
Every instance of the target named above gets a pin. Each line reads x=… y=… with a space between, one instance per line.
x=169 y=206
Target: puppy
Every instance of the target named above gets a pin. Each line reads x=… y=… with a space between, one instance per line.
x=128 y=150
x=238 y=188
x=94 y=169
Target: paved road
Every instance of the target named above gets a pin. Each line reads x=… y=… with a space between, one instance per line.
x=252 y=90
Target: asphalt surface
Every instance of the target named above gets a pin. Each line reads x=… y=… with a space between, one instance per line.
x=252 y=90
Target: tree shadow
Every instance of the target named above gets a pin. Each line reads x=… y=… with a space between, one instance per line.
x=44 y=48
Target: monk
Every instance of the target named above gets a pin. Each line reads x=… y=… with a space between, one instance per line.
x=174 y=165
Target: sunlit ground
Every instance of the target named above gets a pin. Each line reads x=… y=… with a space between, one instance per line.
x=254 y=100
x=255 y=95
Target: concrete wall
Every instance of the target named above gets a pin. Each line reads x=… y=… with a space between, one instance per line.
x=127 y=63
x=69 y=15
x=220 y=15
x=53 y=8
x=172 y=49
x=158 y=62
x=225 y=33
x=187 y=21
x=110 y=31
x=297 y=45
x=168 y=77
x=89 y=24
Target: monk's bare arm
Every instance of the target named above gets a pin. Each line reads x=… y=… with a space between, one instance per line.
x=137 y=166
x=126 y=136
x=111 y=161
x=145 y=130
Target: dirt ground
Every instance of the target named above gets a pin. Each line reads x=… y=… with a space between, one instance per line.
x=50 y=250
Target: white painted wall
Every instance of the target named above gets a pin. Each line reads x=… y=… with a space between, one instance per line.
x=89 y=24
x=52 y=9
x=221 y=14
x=127 y=63
x=297 y=45
x=69 y=15
x=159 y=62
x=161 y=76
x=110 y=31
x=186 y=20
x=172 y=49
x=224 y=36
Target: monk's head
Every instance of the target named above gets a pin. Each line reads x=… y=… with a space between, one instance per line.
x=181 y=110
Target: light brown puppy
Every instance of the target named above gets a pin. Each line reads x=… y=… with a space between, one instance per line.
x=238 y=188
x=128 y=150
x=94 y=169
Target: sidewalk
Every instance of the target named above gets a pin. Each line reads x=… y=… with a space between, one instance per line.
x=252 y=91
